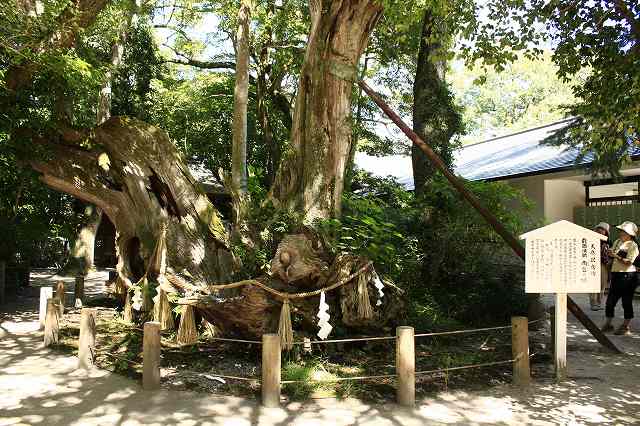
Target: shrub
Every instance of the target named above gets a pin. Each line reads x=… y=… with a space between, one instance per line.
x=437 y=248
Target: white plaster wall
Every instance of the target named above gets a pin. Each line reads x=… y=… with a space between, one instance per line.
x=561 y=197
x=533 y=187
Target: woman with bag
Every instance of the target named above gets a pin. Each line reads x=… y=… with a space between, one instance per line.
x=623 y=279
x=595 y=299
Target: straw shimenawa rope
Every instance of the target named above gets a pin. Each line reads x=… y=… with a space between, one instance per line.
x=279 y=294
x=365 y=311
x=285 y=329
x=187 y=332
x=165 y=314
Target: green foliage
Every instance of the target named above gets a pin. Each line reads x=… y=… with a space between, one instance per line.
x=305 y=371
x=602 y=38
x=452 y=265
x=270 y=225
x=133 y=79
x=372 y=224
x=36 y=221
x=526 y=93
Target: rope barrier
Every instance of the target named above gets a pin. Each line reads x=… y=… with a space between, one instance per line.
x=464 y=367
x=340 y=379
x=223 y=376
x=224 y=339
x=476 y=330
x=442 y=333
x=356 y=339
x=116 y=357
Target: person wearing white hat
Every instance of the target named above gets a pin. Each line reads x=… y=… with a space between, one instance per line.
x=623 y=279
x=595 y=299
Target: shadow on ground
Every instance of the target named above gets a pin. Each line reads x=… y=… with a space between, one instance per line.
x=42 y=387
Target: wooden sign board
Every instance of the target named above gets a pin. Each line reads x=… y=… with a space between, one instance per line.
x=562 y=258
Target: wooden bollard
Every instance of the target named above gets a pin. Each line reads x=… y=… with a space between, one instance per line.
x=270 y=370
x=520 y=350
x=151 y=356
x=87 y=341
x=78 y=294
x=51 y=325
x=3 y=281
x=46 y=293
x=60 y=295
x=406 y=366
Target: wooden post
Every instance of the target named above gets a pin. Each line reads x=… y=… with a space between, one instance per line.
x=151 y=356
x=79 y=291
x=60 y=295
x=51 y=325
x=270 y=370
x=3 y=280
x=46 y=293
x=87 y=341
x=560 y=341
x=406 y=366
x=520 y=350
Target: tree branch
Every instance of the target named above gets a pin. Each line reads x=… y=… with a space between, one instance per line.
x=79 y=15
x=623 y=10
x=207 y=65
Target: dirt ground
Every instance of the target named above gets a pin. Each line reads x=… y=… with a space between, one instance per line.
x=42 y=387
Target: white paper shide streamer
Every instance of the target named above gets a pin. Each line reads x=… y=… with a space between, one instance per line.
x=377 y=282
x=323 y=318
x=136 y=299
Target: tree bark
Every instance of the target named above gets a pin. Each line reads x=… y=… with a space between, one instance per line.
x=82 y=254
x=435 y=118
x=105 y=97
x=134 y=173
x=240 y=100
x=349 y=172
x=310 y=177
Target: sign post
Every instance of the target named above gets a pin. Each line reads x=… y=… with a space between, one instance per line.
x=562 y=258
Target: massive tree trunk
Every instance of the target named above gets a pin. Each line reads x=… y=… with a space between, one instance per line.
x=134 y=173
x=310 y=176
x=240 y=100
x=435 y=118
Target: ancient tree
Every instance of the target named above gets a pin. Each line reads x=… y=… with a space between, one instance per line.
x=134 y=173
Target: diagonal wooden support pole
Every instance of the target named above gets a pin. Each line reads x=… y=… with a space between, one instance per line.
x=486 y=214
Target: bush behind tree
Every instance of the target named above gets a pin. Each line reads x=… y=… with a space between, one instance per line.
x=452 y=265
